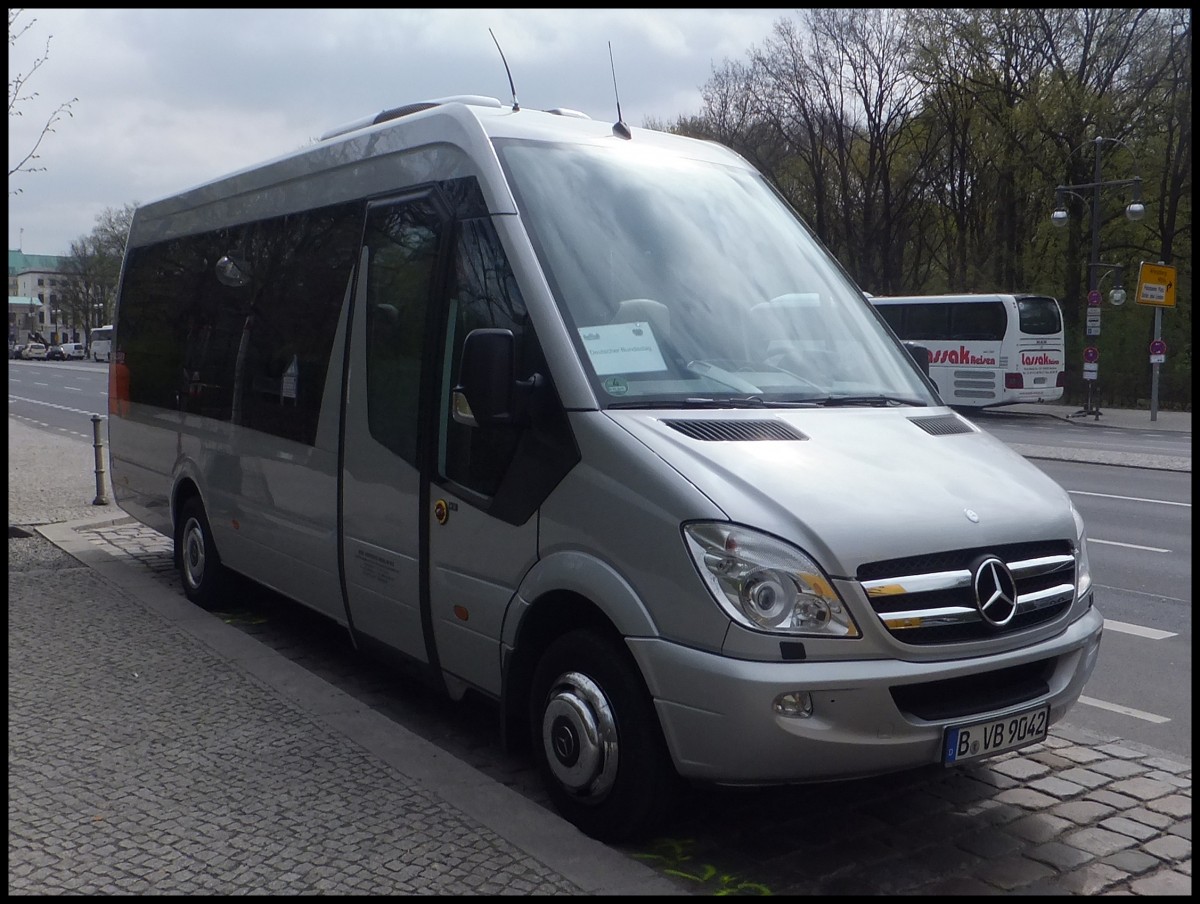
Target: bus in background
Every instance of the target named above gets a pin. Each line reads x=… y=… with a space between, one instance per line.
x=100 y=343
x=984 y=349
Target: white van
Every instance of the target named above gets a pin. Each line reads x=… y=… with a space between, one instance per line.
x=586 y=420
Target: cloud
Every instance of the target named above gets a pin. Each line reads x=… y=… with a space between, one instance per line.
x=170 y=98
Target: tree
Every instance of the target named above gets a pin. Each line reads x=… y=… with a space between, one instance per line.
x=925 y=147
x=93 y=267
x=19 y=96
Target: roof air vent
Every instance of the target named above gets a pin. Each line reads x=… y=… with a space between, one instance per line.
x=471 y=100
x=566 y=111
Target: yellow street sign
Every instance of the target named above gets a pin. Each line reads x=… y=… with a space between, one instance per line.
x=1156 y=285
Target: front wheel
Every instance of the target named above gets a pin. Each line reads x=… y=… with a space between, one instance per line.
x=597 y=741
x=199 y=564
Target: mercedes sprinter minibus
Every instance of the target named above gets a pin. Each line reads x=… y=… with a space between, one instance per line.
x=585 y=419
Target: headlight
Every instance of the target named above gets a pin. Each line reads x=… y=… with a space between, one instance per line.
x=767 y=584
x=1083 y=569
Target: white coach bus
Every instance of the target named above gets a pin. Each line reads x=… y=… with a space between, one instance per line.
x=584 y=419
x=985 y=349
x=100 y=343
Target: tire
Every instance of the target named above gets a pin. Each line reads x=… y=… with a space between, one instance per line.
x=596 y=739
x=204 y=577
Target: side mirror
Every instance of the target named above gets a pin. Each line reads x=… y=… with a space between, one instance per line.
x=486 y=394
x=486 y=377
x=920 y=354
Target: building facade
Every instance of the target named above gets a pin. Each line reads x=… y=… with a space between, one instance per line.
x=36 y=286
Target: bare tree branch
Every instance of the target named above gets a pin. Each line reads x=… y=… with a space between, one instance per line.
x=18 y=96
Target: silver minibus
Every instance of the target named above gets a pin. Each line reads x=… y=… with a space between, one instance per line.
x=586 y=420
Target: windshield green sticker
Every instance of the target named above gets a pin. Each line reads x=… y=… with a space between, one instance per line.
x=616 y=386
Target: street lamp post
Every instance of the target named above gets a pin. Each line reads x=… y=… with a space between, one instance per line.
x=1135 y=211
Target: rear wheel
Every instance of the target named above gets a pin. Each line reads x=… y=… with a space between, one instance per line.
x=199 y=564
x=597 y=741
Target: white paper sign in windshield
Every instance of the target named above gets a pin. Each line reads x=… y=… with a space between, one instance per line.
x=622 y=348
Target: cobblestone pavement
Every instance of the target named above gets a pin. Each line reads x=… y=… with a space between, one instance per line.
x=1075 y=815
x=143 y=760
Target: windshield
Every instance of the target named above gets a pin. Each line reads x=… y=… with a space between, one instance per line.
x=686 y=281
x=1040 y=315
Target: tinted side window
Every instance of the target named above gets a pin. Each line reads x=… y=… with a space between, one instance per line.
x=403 y=242
x=300 y=269
x=926 y=321
x=254 y=352
x=179 y=326
x=978 y=320
x=483 y=293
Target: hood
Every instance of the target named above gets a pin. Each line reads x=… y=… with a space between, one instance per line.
x=857 y=485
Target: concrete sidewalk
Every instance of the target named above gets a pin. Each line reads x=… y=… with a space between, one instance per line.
x=154 y=749
x=1125 y=418
x=1126 y=421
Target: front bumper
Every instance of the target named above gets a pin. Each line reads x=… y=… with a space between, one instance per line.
x=718 y=718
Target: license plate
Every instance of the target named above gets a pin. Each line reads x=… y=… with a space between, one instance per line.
x=980 y=739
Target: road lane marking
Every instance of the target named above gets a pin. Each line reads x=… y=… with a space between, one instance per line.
x=52 y=405
x=1127 y=545
x=1128 y=498
x=1157 y=596
x=1139 y=630
x=1124 y=710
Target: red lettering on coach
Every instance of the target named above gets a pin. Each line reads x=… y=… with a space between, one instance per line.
x=960 y=355
x=1043 y=358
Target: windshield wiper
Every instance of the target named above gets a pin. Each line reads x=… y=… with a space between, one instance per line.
x=876 y=401
x=752 y=401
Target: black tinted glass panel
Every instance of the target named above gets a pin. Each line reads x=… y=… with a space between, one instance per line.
x=978 y=320
x=1040 y=316
x=403 y=244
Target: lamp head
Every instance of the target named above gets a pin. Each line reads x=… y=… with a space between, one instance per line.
x=1059 y=217
x=1117 y=296
x=1135 y=211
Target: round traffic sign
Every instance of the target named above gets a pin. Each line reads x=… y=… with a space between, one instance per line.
x=1091 y=354
x=1094 y=297
x=1158 y=347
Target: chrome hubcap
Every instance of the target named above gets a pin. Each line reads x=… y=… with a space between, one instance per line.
x=193 y=553
x=579 y=736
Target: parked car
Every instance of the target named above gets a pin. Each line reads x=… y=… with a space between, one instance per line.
x=14 y=351
x=67 y=351
x=34 y=351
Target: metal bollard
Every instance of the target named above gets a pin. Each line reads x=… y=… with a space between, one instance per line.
x=98 y=444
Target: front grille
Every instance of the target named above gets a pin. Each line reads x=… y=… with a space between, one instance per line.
x=953 y=698
x=930 y=599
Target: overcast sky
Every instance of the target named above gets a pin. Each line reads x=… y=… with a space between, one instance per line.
x=170 y=98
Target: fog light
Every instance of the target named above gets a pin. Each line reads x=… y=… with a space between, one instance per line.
x=797 y=704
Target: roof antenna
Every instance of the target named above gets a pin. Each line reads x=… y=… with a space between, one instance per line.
x=511 y=86
x=619 y=128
